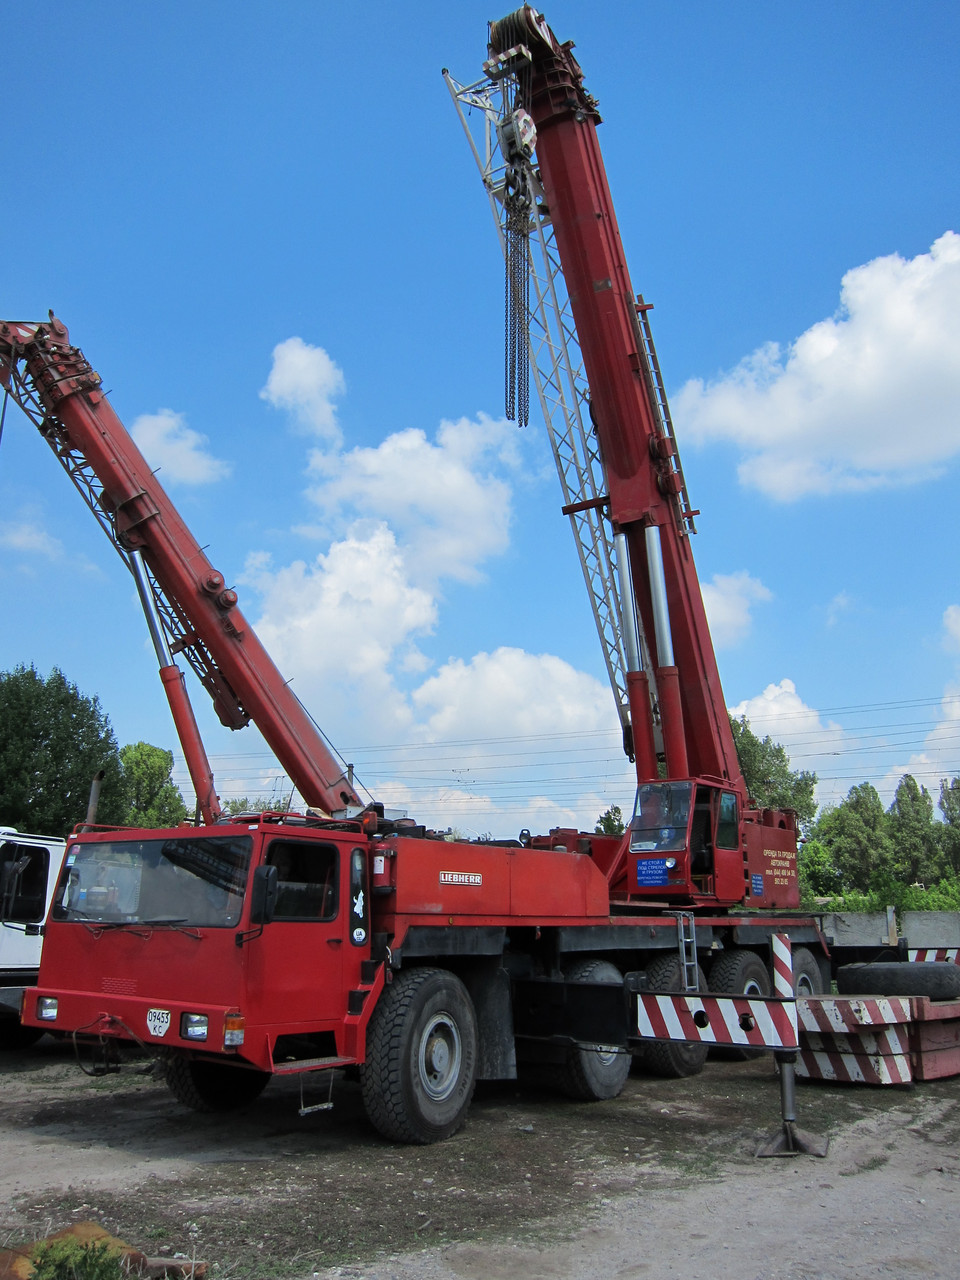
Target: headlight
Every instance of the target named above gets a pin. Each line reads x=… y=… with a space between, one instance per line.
x=193 y=1026
x=670 y=863
x=47 y=1008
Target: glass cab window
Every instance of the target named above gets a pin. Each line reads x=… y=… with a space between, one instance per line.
x=728 y=821
x=660 y=816
x=307 y=879
x=23 y=882
x=181 y=881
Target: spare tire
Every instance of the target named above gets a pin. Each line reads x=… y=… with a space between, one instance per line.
x=939 y=979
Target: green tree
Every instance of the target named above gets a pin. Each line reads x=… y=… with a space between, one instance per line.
x=910 y=824
x=816 y=872
x=54 y=740
x=153 y=799
x=948 y=831
x=610 y=822
x=856 y=837
x=771 y=782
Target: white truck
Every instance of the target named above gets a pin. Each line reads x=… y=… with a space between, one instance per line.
x=29 y=870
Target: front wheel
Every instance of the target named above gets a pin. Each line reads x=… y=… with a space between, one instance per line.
x=421 y=1064
x=211 y=1086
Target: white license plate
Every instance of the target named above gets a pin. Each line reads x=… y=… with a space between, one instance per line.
x=158 y=1022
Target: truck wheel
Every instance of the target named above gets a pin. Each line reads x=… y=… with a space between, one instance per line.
x=14 y=1035
x=739 y=973
x=807 y=978
x=673 y=1059
x=600 y=1072
x=211 y=1086
x=939 y=979
x=421 y=1064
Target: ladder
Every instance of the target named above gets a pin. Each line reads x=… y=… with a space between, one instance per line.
x=687 y=944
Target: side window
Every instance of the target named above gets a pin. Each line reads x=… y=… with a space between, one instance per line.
x=307 y=879
x=23 y=882
x=728 y=822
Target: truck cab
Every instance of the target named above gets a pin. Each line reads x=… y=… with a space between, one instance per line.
x=29 y=869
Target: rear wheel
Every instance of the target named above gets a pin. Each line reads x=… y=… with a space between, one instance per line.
x=740 y=973
x=211 y=1086
x=421 y=1065
x=599 y=1071
x=807 y=978
x=673 y=1059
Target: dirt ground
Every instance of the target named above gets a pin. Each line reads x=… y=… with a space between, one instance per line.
x=661 y=1182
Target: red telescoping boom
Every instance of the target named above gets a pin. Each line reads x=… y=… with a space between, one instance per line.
x=189 y=607
x=694 y=833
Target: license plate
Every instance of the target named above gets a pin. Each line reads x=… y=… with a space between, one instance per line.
x=158 y=1022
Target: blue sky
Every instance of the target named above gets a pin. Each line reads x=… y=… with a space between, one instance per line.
x=263 y=226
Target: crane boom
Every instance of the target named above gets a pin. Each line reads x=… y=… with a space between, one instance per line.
x=195 y=609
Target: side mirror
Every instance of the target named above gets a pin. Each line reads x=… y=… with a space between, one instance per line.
x=263 y=895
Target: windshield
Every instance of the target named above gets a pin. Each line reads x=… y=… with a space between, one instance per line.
x=183 y=880
x=660 y=816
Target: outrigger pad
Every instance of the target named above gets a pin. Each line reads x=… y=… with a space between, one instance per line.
x=791 y=1141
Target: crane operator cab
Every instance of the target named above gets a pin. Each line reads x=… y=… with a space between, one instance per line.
x=676 y=830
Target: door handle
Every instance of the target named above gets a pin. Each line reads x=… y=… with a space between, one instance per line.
x=334 y=942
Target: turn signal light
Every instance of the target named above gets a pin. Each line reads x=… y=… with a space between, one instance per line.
x=233 y=1024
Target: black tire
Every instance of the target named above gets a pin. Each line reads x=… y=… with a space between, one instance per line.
x=421 y=1065
x=599 y=1072
x=672 y=1059
x=739 y=973
x=807 y=977
x=211 y=1086
x=939 y=979
x=14 y=1035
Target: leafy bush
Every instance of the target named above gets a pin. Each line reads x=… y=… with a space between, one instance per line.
x=74 y=1260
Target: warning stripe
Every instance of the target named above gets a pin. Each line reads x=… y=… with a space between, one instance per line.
x=854 y=1068
x=888 y=1042
x=762 y=1024
x=923 y=954
x=782 y=967
x=848 y=1013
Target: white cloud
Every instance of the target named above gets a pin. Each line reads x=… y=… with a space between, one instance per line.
x=25 y=536
x=951 y=627
x=447 y=502
x=810 y=743
x=176 y=450
x=511 y=692
x=865 y=398
x=728 y=599
x=336 y=624
x=305 y=380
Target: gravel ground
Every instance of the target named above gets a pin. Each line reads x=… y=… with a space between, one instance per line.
x=661 y=1182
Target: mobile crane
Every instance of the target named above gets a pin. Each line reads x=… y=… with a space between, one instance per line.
x=274 y=944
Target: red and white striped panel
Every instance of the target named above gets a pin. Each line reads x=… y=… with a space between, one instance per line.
x=782 y=966
x=832 y=1014
x=742 y=1020
x=922 y=954
x=854 y=1068
x=887 y=1042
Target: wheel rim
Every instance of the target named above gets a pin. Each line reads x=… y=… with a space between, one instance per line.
x=440 y=1057
x=753 y=988
x=804 y=985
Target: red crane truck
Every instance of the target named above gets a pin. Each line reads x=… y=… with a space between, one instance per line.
x=269 y=944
